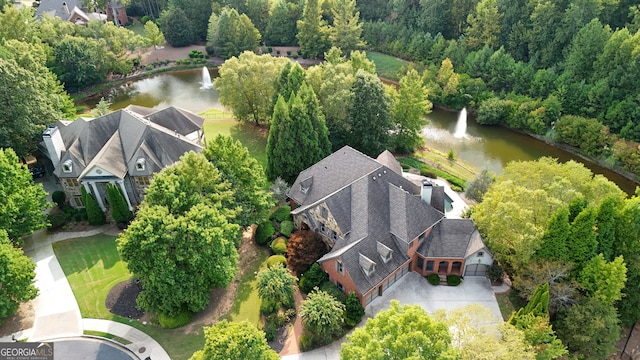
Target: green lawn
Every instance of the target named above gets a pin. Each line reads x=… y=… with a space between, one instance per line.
x=387 y=66
x=246 y=305
x=253 y=138
x=92 y=266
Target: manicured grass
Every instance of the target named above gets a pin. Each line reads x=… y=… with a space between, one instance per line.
x=253 y=138
x=246 y=305
x=387 y=66
x=437 y=170
x=136 y=27
x=454 y=167
x=92 y=266
x=107 y=336
x=506 y=307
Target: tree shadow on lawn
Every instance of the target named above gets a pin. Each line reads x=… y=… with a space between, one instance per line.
x=82 y=254
x=254 y=138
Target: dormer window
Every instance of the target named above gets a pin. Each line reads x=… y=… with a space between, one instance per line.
x=140 y=164
x=385 y=252
x=368 y=266
x=67 y=166
x=305 y=185
x=324 y=212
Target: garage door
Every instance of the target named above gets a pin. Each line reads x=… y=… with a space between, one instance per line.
x=475 y=270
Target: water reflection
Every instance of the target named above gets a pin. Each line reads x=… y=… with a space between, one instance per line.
x=493 y=147
x=180 y=88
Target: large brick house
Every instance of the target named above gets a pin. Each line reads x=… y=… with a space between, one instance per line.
x=378 y=225
x=124 y=148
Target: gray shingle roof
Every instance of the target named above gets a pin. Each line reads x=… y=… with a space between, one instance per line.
x=115 y=141
x=449 y=238
x=387 y=159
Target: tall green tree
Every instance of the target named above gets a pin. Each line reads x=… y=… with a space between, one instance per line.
x=17 y=275
x=246 y=85
x=258 y=13
x=604 y=280
x=582 y=242
x=179 y=257
x=278 y=161
x=230 y=34
x=369 y=115
x=606 y=226
x=479 y=185
x=21 y=201
x=345 y=32
x=406 y=332
x=314 y=112
x=312 y=31
x=554 y=241
x=410 y=104
x=484 y=25
x=234 y=340
x=80 y=62
x=176 y=28
x=281 y=28
x=627 y=244
x=119 y=208
x=276 y=285
x=153 y=34
x=197 y=12
x=246 y=176
x=590 y=329
x=322 y=315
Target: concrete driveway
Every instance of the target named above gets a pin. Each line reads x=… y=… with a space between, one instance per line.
x=414 y=289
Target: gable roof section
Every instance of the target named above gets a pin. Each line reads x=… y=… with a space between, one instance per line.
x=450 y=238
x=332 y=174
x=409 y=216
x=117 y=140
x=387 y=159
x=180 y=121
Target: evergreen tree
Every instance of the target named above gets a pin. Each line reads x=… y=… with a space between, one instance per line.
x=369 y=115
x=606 y=226
x=119 y=208
x=554 y=240
x=538 y=305
x=230 y=34
x=484 y=25
x=176 y=28
x=311 y=104
x=312 y=31
x=582 y=243
x=281 y=29
x=282 y=151
x=353 y=310
x=347 y=28
x=95 y=215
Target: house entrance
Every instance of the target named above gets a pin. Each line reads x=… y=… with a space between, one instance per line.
x=443 y=267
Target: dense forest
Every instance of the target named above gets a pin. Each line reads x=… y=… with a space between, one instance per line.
x=560 y=69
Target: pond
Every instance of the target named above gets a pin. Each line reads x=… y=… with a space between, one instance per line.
x=179 y=88
x=493 y=147
x=484 y=147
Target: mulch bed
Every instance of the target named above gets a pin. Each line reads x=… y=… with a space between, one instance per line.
x=121 y=299
x=281 y=336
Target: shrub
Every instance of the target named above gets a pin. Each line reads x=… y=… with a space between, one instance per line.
x=312 y=278
x=171 y=322
x=279 y=246
x=281 y=214
x=59 y=198
x=264 y=232
x=299 y=52
x=56 y=219
x=288 y=52
x=278 y=52
x=268 y=307
x=453 y=280
x=270 y=49
x=95 y=214
x=425 y=171
x=332 y=290
x=295 y=56
x=456 y=188
x=306 y=342
x=433 y=279
x=353 y=310
x=495 y=272
x=450 y=155
x=270 y=327
x=274 y=260
x=286 y=227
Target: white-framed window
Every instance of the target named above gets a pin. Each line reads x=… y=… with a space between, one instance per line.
x=481 y=254
x=339 y=285
x=140 y=164
x=334 y=236
x=339 y=267
x=67 y=166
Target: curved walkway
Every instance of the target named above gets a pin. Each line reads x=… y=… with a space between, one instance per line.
x=57 y=314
